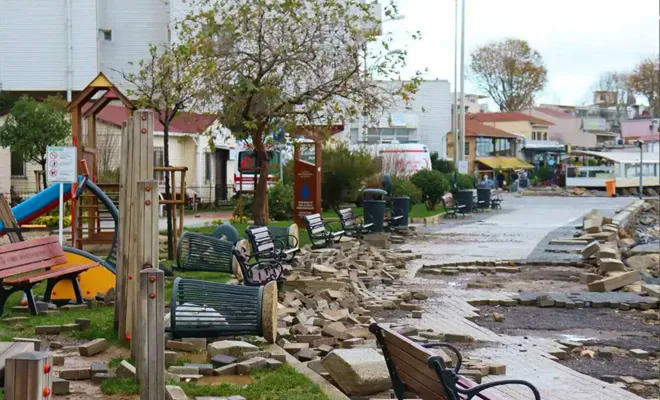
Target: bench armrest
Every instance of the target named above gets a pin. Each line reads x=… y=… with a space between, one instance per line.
x=475 y=390
x=459 y=357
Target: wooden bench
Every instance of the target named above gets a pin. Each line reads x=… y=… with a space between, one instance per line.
x=353 y=225
x=413 y=368
x=265 y=246
x=496 y=201
x=257 y=272
x=321 y=233
x=452 y=208
x=25 y=264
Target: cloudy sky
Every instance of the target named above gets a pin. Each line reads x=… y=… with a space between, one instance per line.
x=578 y=39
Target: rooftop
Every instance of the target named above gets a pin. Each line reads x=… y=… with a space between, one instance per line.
x=554 y=112
x=474 y=128
x=184 y=122
x=508 y=117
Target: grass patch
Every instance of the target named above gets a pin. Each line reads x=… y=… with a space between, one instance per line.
x=283 y=384
x=120 y=386
x=114 y=363
x=102 y=318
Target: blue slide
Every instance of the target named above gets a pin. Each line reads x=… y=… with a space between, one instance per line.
x=39 y=204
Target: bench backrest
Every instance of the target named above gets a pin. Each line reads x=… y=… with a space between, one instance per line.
x=347 y=217
x=314 y=224
x=261 y=239
x=30 y=255
x=448 y=200
x=410 y=362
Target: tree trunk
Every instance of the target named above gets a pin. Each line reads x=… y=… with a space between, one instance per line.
x=43 y=173
x=168 y=194
x=259 y=214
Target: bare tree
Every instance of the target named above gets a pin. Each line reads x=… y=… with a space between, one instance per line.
x=616 y=93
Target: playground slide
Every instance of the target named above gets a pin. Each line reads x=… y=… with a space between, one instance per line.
x=39 y=204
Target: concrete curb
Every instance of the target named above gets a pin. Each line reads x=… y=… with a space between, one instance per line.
x=627 y=216
x=329 y=389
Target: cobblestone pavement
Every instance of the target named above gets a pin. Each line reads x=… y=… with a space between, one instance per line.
x=513 y=233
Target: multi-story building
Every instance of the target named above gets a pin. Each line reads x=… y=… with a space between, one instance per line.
x=425 y=119
x=474 y=103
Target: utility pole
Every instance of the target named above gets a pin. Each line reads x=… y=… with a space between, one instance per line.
x=454 y=113
x=462 y=146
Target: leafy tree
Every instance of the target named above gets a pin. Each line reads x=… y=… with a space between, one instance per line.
x=34 y=125
x=280 y=201
x=297 y=65
x=167 y=82
x=645 y=81
x=433 y=185
x=510 y=71
x=405 y=187
x=441 y=165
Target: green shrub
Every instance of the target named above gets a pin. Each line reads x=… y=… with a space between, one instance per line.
x=52 y=221
x=433 y=185
x=405 y=187
x=243 y=205
x=280 y=202
x=344 y=174
x=287 y=173
x=441 y=165
x=463 y=181
x=543 y=174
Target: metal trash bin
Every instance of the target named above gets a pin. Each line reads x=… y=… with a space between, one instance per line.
x=228 y=231
x=197 y=252
x=483 y=194
x=212 y=309
x=374 y=208
x=401 y=206
x=466 y=198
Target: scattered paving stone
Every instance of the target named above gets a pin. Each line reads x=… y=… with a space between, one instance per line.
x=253 y=354
x=350 y=343
x=432 y=335
x=183 y=370
x=38 y=344
x=360 y=371
x=605 y=353
x=76 y=374
x=20 y=309
x=203 y=369
x=125 y=370
x=69 y=349
x=93 y=348
x=55 y=345
x=198 y=343
x=84 y=323
x=14 y=320
x=496 y=369
x=498 y=317
x=234 y=348
x=458 y=338
x=416 y=314
x=175 y=393
x=235 y=397
x=307 y=355
x=225 y=370
x=102 y=376
x=61 y=387
x=177 y=345
x=245 y=367
x=58 y=360
x=170 y=357
x=638 y=353
x=71 y=327
x=609 y=378
x=48 y=329
x=221 y=360
x=273 y=364
x=99 y=367
x=628 y=380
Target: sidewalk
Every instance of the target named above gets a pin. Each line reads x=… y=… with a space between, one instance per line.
x=512 y=233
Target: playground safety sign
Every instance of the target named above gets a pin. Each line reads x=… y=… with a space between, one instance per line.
x=61 y=164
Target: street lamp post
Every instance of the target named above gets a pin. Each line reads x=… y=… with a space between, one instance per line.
x=462 y=141
x=454 y=112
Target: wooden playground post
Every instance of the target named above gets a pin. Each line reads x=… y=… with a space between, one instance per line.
x=148 y=332
x=137 y=165
x=29 y=376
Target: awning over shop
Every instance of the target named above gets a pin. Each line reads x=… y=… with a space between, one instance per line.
x=504 y=163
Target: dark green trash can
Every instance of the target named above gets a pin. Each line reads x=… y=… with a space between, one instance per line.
x=401 y=207
x=229 y=232
x=374 y=213
x=483 y=194
x=465 y=198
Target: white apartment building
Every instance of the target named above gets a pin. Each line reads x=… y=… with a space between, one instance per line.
x=425 y=119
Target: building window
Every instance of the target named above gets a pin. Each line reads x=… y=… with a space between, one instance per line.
x=107 y=34
x=17 y=164
x=207 y=166
x=545 y=135
x=159 y=161
x=467 y=148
